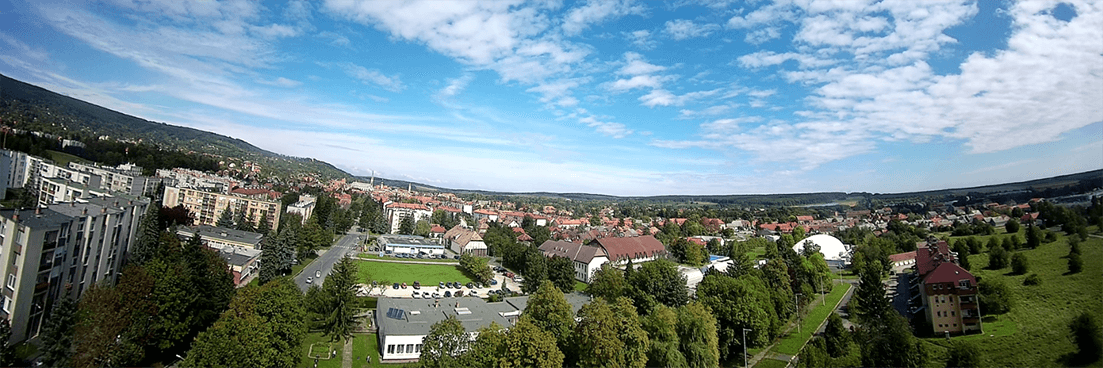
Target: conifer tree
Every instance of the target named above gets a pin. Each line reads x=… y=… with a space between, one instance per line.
x=146 y=244
x=57 y=334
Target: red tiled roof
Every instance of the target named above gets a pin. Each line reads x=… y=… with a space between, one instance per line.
x=485 y=212
x=929 y=257
x=518 y=230
x=412 y=206
x=899 y=257
x=949 y=272
x=573 y=251
x=634 y=247
x=805 y=218
x=698 y=241
x=437 y=229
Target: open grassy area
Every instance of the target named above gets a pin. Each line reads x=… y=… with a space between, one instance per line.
x=1035 y=332
x=771 y=363
x=580 y=286
x=320 y=343
x=410 y=272
x=376 y=256
x=63 y=159
x=792 y=343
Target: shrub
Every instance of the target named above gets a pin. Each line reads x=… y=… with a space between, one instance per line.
x=1074 y=245
x=1075 y=263
x=1019 y=264
x=1032 y=280
x=997 y=257
x=1085 y=332
x=1051 y=237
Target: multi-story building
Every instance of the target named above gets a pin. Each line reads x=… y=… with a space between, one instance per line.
x=949 y=292
x=125 y=178
x=193 y=179
x=465 y=241
x=58 y=190
x=396 y=212
x=586 y=259
x=62 y=249
x=207 y=207
x=637 y=248
x=304 y=207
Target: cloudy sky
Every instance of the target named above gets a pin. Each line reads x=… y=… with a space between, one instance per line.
x=612 y=97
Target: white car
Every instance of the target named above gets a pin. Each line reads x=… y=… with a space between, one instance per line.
x=416 y=294
x=310 y=280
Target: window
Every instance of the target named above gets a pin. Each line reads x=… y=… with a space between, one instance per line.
x=11 y=281
x=390 y=349
x=7 y=305
x=952 y=313
x=401 y=349
x=410 y=348
x=417 y=348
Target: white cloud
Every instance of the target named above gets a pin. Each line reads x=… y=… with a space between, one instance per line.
x=636 y=65
x=335 y=39
x=615 y=130
x=641 y=39
x=680 y=29
x=597 y=11
x=637 y=81
x=281 y=82
x=456 y=85
x=369 y=76
x=662 y=97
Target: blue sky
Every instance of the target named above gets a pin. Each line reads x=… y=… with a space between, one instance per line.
x=612 y=97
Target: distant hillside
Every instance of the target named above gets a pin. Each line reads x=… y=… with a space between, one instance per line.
x=29 y=107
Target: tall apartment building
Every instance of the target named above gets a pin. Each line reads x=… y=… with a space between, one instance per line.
x=125 y=178
x=62 y=249
x=395 y=212
x=207 y=207
x=20 y=170
x=193 y=179
x=304 y=207
x=949 y=292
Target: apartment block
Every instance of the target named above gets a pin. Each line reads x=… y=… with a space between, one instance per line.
x=207 y=207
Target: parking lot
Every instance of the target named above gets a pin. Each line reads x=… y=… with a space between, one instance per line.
x=483 y=292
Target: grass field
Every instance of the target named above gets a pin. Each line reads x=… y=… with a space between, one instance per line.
x=791 y=344
x=580 y=286
x=63 y=159
x=409 y=272
x=1035 y=332
x=321 y=344
x=771 y=363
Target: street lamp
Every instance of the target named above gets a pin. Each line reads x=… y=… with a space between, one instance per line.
x=745 y=346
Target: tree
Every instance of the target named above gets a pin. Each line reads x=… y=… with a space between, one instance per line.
x=1019 y=264
x=738 y=303
x=1086 y=335
x=610 y=335
x=340 y=294
x=888 y=342
x=549 y=311
x=272 y=315
x=477 y=267
x=661 y=326
x=148 y=233
x=697 y=332
x=226 y=219
x=1076 y=264
x=406 y=225
x=7 y=353
x=1033 y=236
x=608 y=282
x=964 y=354
x=660 y=281
x=995 y=296
x=1012 y=226
x=242 y=223
x=277 y=253
x=527 y=345
x=997 y=258
x=57 y=334
x=836 y=337
x=561 y=272
x=264 y=226
x=421 y=228
x=445 y=341
x=488 y=347
x=595 y=221
x=869 y=301
x=114 y=321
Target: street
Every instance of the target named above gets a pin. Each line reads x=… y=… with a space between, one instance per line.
x=325 y=262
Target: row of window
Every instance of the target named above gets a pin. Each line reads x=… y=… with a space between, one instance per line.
x=943 y=314
x=404 y=349
x=946 y=325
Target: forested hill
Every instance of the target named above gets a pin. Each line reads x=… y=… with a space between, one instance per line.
x=25 y=106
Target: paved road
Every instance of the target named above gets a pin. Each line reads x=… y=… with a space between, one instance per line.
x=325 y=262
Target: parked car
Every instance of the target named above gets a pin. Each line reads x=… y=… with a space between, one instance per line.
x=518 y=279
x=470 y=285
x=436 y=295
x=416 y=294
x=310 y=280
x=440 y=284
x=447 y=294
x=403 y=285
x=474 y=293
x=458 y=293
x=396 y=285
x=493 y=282
x=417 y=285
x=458 y=285
x=510 y=275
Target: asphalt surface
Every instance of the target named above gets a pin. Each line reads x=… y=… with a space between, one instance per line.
x=324 y=263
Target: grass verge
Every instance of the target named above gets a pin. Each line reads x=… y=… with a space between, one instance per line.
x=428 y=275
x=792 y=343
x=320 y=343
x=376 y=256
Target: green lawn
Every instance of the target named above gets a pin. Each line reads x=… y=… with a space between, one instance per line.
x=771 y=363
x=580 y=286
x=321 y=343
x=376 y=256
x=1035 y=332
x=792 y=343
x=410 y=272
x=63 y=159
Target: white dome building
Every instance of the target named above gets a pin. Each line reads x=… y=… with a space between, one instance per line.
x=834 y=251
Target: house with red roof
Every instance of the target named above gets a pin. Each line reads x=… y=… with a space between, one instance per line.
x=586 y=259
x=950 y=303
x=902 y=259
x=465 y=241
x=638 y=249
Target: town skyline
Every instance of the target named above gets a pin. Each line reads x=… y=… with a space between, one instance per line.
x=616 y=98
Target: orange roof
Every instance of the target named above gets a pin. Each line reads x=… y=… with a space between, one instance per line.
x=949 y=272
x=412 y=206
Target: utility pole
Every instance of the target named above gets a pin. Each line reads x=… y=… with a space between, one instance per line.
x=745 y=347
